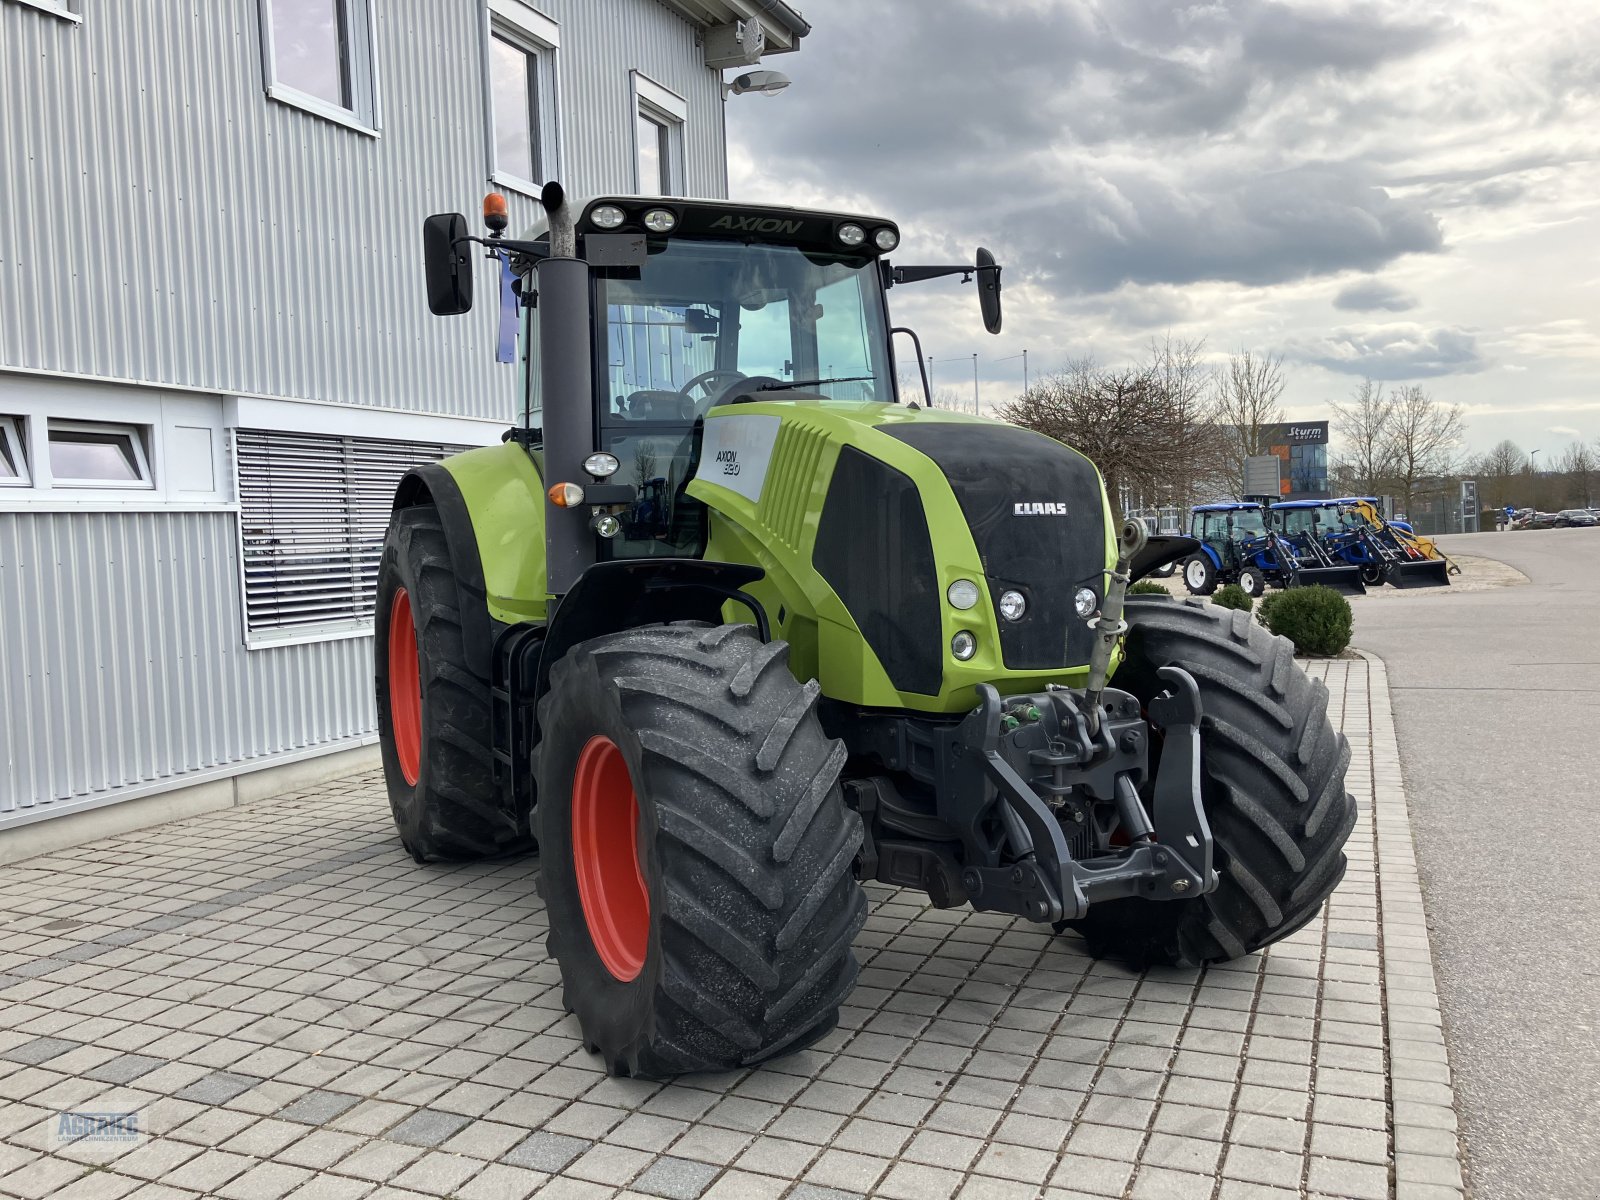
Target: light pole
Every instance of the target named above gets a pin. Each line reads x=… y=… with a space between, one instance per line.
x=975 y=385
x=1024 y=357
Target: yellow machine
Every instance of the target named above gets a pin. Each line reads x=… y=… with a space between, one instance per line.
x=1407 y=540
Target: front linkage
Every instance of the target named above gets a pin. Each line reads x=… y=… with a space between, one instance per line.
x=1030 y=788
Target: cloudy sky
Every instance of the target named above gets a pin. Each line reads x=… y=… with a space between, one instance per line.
x=1399 y=189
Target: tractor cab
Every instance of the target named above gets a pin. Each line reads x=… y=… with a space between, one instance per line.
x=1224 y=527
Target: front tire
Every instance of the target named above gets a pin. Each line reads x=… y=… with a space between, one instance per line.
x=1372 y=574
x=1252 y=582
x=1272 y=776
x=697 y=851
x=433 y=710
x=1200 y=575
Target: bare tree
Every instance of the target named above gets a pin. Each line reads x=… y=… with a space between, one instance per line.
x=949 y=398
x=1364 y=424
x=1249 y=394
x=1578 y=465
x=1423 y=439
x=1188 y=385
x=1497 y=472
x=1119 y=418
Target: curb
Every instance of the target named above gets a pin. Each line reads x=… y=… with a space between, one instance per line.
x=1428 y=1160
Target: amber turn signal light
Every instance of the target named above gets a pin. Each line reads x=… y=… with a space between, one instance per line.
x=565 y=495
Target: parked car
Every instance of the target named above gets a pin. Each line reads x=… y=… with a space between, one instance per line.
x=1534 y=520
x=1572 y=517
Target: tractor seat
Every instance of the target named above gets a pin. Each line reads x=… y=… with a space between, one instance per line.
x=653 y=404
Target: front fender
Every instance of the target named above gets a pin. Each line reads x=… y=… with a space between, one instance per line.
x=502 y=489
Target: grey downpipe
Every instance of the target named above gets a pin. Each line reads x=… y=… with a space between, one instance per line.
x=566 y=378
x=1109 y=626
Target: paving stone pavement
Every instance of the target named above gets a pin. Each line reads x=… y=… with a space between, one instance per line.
x=293 y=1007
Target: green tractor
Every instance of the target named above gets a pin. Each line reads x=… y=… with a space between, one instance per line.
x=846 y=638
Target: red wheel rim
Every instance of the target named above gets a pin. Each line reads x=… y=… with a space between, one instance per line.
x=405 y=687
x=605 y=856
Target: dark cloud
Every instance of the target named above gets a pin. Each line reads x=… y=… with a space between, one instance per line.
x=1272 y=228
x=1373 y=295
x=1360 y=38
x=1394 y=352
x=1103 y=143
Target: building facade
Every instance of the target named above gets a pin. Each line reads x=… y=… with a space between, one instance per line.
x=1303 y=448
x=216 y=357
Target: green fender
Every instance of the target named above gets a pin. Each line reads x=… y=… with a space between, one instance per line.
x=503 y=489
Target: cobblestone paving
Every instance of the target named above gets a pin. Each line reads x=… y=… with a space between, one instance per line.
x=293 y=1007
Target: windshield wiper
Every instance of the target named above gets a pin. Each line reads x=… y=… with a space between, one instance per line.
x=799 y=383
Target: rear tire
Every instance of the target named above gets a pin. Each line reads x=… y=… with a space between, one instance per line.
x=1272 y=773
x=1199 y=575
x=433 y=711
x=730 y=940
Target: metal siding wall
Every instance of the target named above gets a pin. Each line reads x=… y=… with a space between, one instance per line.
x=122 y=661
x=166 y=222
x=161 y=220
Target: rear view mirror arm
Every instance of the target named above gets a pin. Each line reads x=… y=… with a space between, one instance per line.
x=893 y=274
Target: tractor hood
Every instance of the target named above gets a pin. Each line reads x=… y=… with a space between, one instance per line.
x=866 y=514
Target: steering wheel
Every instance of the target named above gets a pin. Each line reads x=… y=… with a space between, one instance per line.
x=706 y=378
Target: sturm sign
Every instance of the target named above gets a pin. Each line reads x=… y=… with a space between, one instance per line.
x=1302 y=433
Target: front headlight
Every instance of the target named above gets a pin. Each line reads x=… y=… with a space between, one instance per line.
x=963 y=645
x=1012 y=605
x=962 y=594
x=1084 y=603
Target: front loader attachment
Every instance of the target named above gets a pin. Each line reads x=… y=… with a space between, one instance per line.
x=1417 y=572
x=1345 y=580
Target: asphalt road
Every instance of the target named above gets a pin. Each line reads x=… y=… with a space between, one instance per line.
x=1497 y=707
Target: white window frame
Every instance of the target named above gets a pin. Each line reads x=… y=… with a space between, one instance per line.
x=361 y=66
x=13 y=445
x=540 y=38
x=665 y=107
x=33 y=400
x=65 y=9
x=138 y=436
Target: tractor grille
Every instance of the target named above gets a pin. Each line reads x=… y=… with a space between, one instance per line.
x=874 y=550
x=1046 y=558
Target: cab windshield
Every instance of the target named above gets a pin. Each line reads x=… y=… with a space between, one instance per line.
x=1238 y=523
x=705 y=321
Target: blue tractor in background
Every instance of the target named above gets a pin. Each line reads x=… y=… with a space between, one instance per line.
x=1351 y=531
x=1240 y=543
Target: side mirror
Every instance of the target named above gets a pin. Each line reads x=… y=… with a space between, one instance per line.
x=989 y=291
x=447 y=260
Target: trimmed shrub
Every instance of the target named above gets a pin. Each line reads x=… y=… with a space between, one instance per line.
x=1147 y=587
x=1231 y=595
x=1316 y=619
x=1268 y=599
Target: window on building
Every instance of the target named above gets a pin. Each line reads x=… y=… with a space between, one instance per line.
x=520 y=73
x=655 y=158
x=312 y=513
x=319 y=56
x=85 y=454
x=659 y=116
x=513 y=77
x=13 y=457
